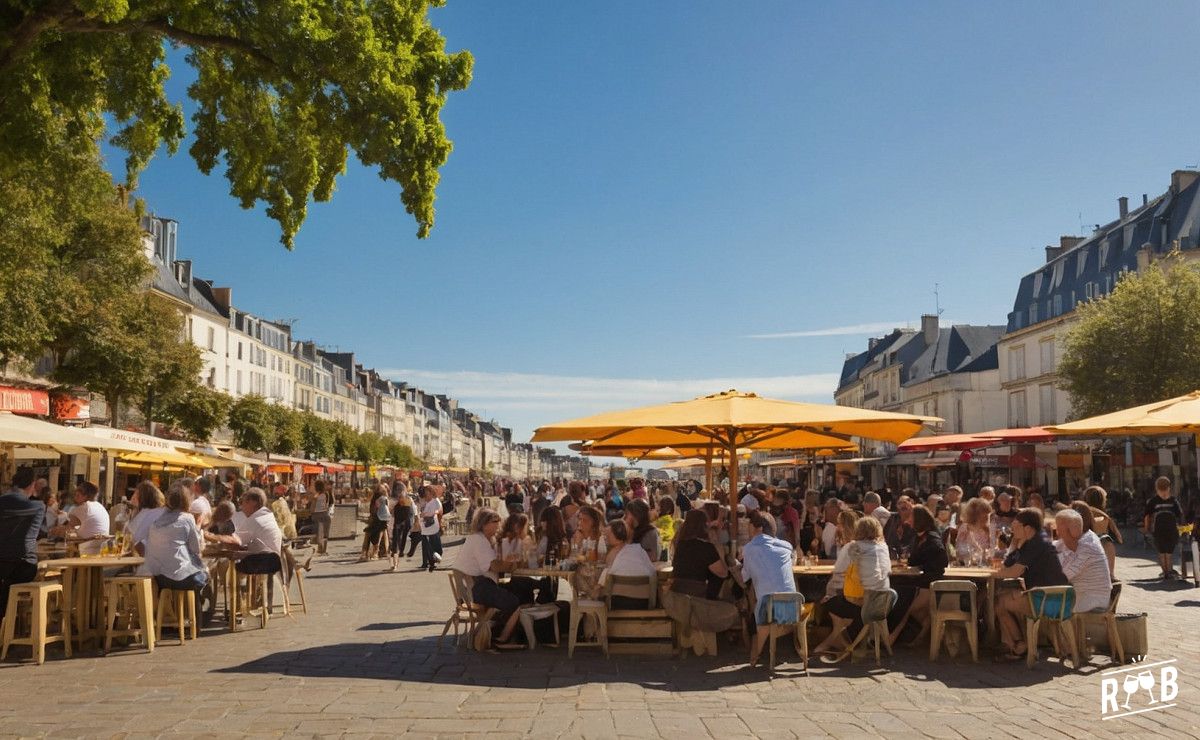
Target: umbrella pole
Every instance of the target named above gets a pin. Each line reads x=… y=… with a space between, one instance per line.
x=708 y=482
x=733 y=502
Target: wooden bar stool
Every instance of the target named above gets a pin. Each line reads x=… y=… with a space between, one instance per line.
x=258 y=595
x=36 y=596
x=945 y=607
x=1109 y=619
x=182 y=604
x=298 y=579
x=131 y=600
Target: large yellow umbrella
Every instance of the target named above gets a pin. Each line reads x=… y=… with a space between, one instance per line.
x=732 y=420
x=1179 y=415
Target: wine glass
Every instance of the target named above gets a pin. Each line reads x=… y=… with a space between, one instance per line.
x=1146 y=681
x=1130 y=686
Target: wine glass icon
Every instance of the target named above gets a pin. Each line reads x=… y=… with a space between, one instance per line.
x=1146 y=681
x=1130 y=687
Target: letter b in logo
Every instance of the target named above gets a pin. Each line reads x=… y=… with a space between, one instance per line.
x=1168 y=683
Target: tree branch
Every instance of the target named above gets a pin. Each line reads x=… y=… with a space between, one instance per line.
x=163 y=27
x=26 y=33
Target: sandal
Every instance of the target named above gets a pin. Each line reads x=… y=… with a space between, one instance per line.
x=508 y=645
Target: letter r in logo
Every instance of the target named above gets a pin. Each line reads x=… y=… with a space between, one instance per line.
x=1108 y=695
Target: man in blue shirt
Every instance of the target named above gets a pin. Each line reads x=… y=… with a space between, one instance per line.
x=767 y=562
x=20 y=520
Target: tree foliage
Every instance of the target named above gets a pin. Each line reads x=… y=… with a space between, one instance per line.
x=251 y=424
x=1137 y=345
x=198 y=413
x=130 y=349
x=288 y=430
x=284 y=91
x=316 y=436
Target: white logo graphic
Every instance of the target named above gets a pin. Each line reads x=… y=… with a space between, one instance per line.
x=1138 y=684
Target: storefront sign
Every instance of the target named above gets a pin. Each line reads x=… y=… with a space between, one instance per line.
x=990 y=461
x=24 y=401
x=70 y=408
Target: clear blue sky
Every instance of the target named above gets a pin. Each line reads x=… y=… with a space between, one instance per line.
x=637 y=188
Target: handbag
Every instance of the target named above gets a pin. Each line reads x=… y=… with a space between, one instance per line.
x=427 y=521
x=852 y=587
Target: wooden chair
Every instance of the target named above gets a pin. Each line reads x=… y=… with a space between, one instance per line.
x=298 y=579
x=798 y=629
x=875 y=609
x=1053 y=605
x=131 y=601
x=583 y=610
x=476 y=619
x=182 y=606
x=945 y=607
x=36 y=596
x=648 y=630
x=1109 y=619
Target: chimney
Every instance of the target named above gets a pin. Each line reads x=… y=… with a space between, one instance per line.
x=1069 y=242
x=1182 y=179
x=1052 y=252
x=1145 y=199
x=872 y=343
x=1123 y=207
x=223 y=297
x=929 y=328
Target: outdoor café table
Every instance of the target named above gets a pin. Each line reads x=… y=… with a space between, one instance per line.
x=550 y=571
x=83 y=589
x=984 y=575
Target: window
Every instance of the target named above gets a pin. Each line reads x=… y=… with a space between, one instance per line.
x=239 y=382
x=1016 y=363
x=1033 y=314
x=1016 y=409
x=212 y=339
x=239 y=350
x=1046 y=402
x=1046 y=350
x=1057 y=305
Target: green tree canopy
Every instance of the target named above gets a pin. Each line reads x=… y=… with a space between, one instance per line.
x=251 y=423
x=1139 y=344
x=316 y=436
x=283 y=91
x=289 y=430
x=198 y=412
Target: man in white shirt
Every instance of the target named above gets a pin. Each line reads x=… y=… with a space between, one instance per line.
x=88 y=518
x=750 y=501
x=258 y=534
x=431 y=528
x=1083 y=562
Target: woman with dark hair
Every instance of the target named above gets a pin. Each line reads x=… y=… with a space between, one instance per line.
x=624 y=559
x=614 y=505
x=552 y=540
x=929 y=555
x=402 y=519
x=698 y=569
x=588 y=541
x=1035 y=561
x=375 y=523
x=479 y=560
x=642 y=531
x=514 y=537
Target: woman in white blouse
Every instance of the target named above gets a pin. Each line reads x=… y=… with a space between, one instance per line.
x=478 y=559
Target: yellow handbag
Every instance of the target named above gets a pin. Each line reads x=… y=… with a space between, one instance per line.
x=852 y=587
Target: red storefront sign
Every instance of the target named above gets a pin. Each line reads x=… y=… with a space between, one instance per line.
x=24 y=401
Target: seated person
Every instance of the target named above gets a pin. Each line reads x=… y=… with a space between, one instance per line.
x=898 y=532
x=1034 y=560
x=624 y=559
x=222 y=518
x=478 y=558
x=929 y=555
x=872 y=568
x=698 y=569
x=642 y=530
x=174 y=543
x=257 y=533
x=974 y=541
x=767 y=563
x=87 y=519
x=1083 y=561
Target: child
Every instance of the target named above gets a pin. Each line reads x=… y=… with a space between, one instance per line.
x=1163 y=514
x=665 y=523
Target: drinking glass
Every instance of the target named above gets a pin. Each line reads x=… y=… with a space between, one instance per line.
x=1146 y=681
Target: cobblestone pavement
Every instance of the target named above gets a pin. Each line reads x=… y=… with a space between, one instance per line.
x=363 y=663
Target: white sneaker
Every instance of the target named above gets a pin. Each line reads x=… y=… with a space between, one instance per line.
x=437 y=557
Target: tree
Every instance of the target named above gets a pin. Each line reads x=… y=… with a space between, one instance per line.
x=283 y=91
x=129 y=348
x=344 y=439
x=1139 y=344
x=368 y=448
x=316 y=436
x=70 y=249
x=198 y=413
x=289 y=430
x=395 y=453
x=251 y=423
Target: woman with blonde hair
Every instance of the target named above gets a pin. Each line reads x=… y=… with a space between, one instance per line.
x=974 y=539
x=869 y=555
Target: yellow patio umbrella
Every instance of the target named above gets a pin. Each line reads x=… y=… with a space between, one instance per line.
x=732 y=420
x=1179 y=415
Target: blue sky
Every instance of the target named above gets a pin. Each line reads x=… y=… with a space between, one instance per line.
x=639 y=189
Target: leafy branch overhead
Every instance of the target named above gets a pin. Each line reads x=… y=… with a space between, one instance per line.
x=284 y=90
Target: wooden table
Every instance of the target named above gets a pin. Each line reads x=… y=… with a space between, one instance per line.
x=984 y=575
x=83 y=589
x=227 y=559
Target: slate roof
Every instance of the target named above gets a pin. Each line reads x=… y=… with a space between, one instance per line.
x=957 y=349
x=1092 y=267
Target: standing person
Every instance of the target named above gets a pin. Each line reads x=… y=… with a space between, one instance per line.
x=402 y=519
x=320 y=516
x=431 y=528
x=20 y=521
x=1163 y=515
x=375 y=524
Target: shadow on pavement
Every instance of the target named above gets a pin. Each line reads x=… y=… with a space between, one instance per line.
x=396 y=625
x=1187 y=602
x=419 y=660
